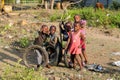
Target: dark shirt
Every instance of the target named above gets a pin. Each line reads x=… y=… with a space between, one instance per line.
x=41 y=39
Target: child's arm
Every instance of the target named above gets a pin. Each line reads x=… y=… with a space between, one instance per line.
x=83 y=39
x=68 y=42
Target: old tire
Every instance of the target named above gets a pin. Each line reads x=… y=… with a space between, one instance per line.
x=30 y=56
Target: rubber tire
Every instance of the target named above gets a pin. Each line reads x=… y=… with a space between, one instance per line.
x=57 y=54
x=44 y=54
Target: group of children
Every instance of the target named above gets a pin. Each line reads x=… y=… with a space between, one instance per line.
x=42 y=39
x=75 y=42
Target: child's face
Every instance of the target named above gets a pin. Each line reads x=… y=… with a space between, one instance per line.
x=77 y=18
x=76 y=27
x=53 y=30
x=45 y=29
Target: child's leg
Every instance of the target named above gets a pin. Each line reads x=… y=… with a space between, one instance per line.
x=72 y=57
x=81 y=57
x=77 y=58
x=84 y=55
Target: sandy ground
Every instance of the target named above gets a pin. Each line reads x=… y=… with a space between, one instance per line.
x=101 y=43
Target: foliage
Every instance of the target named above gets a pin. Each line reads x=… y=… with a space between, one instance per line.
x=19 y=72
x=24 y=42
x=94 y=18
x=5 y=28
x=115 y=5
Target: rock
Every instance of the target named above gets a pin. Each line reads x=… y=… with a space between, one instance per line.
x=6 y=47
x=7 y=8
x=23 y=23
x=9 y=36
x=51 y=72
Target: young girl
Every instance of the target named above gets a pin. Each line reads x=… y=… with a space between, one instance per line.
x=74 y=45
x=83 y=45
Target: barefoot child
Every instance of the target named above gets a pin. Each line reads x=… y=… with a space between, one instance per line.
x=82 y=29
x=74 y=45
x=40 y=40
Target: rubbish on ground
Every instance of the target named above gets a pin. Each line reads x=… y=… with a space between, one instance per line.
x=116 y=63
x=116 y=53
x=95 y=67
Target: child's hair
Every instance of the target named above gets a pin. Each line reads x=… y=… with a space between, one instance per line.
x=52 y=27
x=68 y=25
x=77 y=23
x=41 y=29
x=77 y=15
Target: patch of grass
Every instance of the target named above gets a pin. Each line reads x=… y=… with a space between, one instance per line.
x=24 y=42
x=19 y=72
x=99 y=18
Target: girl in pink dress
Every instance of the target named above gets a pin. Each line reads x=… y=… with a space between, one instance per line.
x=83 y=45
x=74 y=45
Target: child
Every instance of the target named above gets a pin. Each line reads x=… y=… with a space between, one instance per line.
x=83 y=25
x=77 y=18
x=53 y=37
x=40 y=40
x=74 y=45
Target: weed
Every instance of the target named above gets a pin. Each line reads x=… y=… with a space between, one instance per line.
x=19 y=72
x=95 y=19
x=24 y=42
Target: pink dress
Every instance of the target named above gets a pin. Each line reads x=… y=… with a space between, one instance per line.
x=81 y=41
x=75 y=43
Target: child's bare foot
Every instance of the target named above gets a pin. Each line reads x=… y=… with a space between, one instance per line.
x=48 y=66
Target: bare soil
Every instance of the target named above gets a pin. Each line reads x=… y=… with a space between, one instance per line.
x=101 y=43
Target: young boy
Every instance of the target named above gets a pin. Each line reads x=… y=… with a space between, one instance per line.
x=53 y=37
x=41 y=40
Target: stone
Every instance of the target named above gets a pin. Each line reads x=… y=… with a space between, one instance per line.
x=23 y=22
x=7 y=8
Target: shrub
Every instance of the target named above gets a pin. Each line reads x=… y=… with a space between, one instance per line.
x=99 y=18
x=24 y=42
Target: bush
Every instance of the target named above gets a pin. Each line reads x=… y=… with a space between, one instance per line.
x=115 y=5
x=24 y=42
x=99 y=18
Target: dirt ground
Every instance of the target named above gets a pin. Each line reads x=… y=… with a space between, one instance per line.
x=101 y=43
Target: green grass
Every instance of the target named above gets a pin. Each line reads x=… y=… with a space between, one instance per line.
x=95 y=19
x=19 y=72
